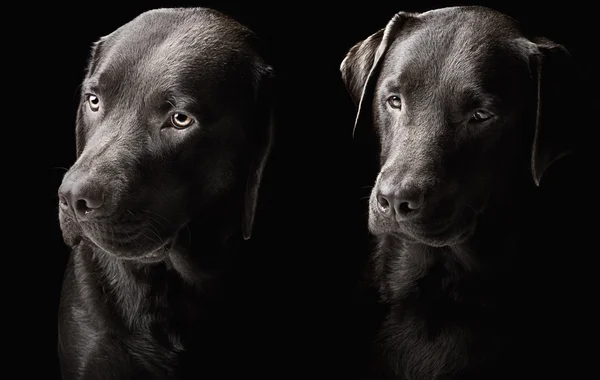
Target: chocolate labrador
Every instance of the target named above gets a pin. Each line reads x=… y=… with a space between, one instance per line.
x=173 y=131
x=467 y=107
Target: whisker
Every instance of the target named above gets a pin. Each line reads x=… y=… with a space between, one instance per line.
x=129 y=238
x=155 y=214
x=189 y=234
x=155 y=222
x=149 y=216
x=111 y=229
x=154 y=239
x=59 y=168
x=469 y=206
x=76 y=92
x=155 y=231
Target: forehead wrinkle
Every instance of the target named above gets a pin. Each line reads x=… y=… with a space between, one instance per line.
x=442 y=56
x=415 y=60
x=136 y=70
x=184 y=59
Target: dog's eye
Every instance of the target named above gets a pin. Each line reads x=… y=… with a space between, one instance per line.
x=94 y=102
x=394 y=101
x=181 y=120
x=479 y=116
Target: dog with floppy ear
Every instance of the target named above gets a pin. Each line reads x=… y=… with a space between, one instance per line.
x=173 y=133
x=467 y=109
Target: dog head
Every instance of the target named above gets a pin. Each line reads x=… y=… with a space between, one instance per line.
x=174 y=117
x=453 y=94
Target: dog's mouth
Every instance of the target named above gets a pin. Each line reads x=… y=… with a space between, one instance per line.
x=139 y=245
x=441 y=232
x=446 y=228
x=157 y=255
x=129 y=236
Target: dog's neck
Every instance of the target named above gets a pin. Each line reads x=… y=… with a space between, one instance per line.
x=193 y=269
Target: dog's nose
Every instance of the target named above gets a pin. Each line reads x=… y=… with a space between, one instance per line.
x=84 y=198
x=405 y=201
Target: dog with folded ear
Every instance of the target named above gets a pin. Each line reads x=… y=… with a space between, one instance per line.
x=173 y=133
x=467 y=109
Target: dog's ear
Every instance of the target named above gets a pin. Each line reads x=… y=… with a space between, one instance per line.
x=93 y=60
x=357 y=64
x=360 y=68
x=262 y=137
x=95 y=55
x=553 y=73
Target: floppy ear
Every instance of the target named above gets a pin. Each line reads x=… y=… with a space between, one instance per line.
x=93 y=60
x=263 y=141
x=360 y=68
x=553 y=71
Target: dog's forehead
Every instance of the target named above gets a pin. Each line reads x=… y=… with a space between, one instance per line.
x=450 y=47
x=164 y=50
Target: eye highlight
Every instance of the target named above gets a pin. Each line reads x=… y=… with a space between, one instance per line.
x=93 y=102
x=394 y=102
x=480 y=116
x=181 y=120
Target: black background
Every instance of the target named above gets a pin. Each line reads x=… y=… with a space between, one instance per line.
x=312 y=211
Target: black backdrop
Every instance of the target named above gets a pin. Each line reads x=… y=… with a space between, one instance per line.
x=312 y=211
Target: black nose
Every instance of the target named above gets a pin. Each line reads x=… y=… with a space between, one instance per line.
x=405 y=201
x=82 y=197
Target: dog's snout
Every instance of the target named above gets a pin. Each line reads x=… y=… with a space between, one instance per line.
x=82 y=197
x=405 y=201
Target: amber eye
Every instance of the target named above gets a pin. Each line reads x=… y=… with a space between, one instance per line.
x=93 y=102
x=181 y=120
x=394 y=101
x=479 y=116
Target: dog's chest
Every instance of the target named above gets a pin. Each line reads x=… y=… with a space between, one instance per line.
x=442 y=323
x=147 y=322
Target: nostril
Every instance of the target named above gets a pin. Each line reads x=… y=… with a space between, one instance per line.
x=405 y=208
x=62 y=201
x=80 y=196
x=383 y=202
x=93 y=200
x=82 y=207
x=88 y=203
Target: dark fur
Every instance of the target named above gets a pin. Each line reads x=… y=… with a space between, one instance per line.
x=454 y=209
x=142 y=293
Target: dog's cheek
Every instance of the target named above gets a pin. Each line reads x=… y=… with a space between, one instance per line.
x=383 y=126
x=204 y=184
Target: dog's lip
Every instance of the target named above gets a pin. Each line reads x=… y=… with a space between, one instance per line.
x=157 y=255
x=432 y=227
x=456 y=225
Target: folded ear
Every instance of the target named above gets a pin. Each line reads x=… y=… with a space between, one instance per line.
x=262 y=139
x=360 y=68
x=553 y=71
x=93 y=59
x=357 y=64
